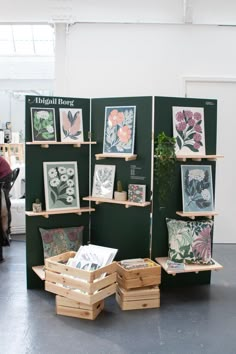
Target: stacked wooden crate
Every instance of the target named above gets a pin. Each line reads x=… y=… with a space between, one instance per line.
x=80 y=293
x=138 y=288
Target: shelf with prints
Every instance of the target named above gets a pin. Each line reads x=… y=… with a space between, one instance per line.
x=193 y=214
x=39 y=270
x=126 y=203
x=184 y=158
x=128 y=157
x=46 y=214
x=45 y=144
x=189 y=268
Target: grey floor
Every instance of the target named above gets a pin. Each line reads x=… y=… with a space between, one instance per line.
x=190 y=320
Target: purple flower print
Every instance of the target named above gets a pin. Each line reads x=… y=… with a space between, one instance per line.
x=202 y=245
x=189 y=130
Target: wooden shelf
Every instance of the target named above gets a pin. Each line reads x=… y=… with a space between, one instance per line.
x=126 y=203
x=189 y=268
x=46 y=214
x=116 y=156
x=39 y=270
x=198 y=157
x=45 y=144
x=193 y=215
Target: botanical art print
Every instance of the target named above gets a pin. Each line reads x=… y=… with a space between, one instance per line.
x=71 y=124
x=188 y=129
x=197 y=191
x=119 y=130
x=43 y=124
x=61 y=185
x=103 y=181
x=137 y=193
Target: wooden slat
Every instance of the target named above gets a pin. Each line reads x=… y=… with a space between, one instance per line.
x=189 y=268
x=79 y=313
x=138 y=282
x=65 y=302
x=137 y=305
x=127 y=157
x=39 y=270
x=192 y=215
x=126 y=203
x=48 y=143
x=46 y=214
x=80 y=297
x=140 y=294
x=198 y=157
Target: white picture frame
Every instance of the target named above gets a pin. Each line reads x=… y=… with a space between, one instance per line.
x=103 y=181
x=71 y=125
x=61 y=185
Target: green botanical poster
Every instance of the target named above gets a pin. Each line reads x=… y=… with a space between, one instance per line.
x=43 y=124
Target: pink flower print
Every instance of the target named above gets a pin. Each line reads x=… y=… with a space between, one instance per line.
x=202 y=245
x=188 y=114
x=196 y=146
x=191 y=122
x=124 y=134
x=197 y=116
x=179 y=116
x=115 y=117
x=181 y=126
x=198 y=128
x=66 y=122
x=47 y=237
x=76 y=126
x=72 y=235
x=197 y=137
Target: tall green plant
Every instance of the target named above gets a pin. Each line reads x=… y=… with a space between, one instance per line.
x=164 y=165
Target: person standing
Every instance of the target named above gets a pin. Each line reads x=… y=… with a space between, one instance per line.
x=5 y=202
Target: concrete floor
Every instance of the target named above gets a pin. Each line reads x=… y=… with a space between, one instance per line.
x=190 y=320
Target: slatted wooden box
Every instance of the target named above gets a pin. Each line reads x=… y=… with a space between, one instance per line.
x=139 y=277
x=76 y=284
x=72 y=308
x=136 y=299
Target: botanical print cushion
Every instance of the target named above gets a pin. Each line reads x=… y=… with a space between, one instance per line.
x=56 y=241
x=190 y=241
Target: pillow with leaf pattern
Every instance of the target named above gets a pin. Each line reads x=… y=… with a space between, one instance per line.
x=190 y=241
x=60 y=240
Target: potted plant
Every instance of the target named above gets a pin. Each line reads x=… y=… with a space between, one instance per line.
x=37 y=206
x=164 y=165
x=119 y=193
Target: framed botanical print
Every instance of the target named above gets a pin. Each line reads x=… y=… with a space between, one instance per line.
x=43 y=124
x=197 y=188
x=71 y=124
x=103 y=181
x=119 y=130
x=189 y=130
x=137 y=193
x=61 y=185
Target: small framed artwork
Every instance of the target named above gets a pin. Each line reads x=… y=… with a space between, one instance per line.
x=43 y=124
x=103 y=181
x=71 y=124
x=189 y=131
x=137 y=193
x=61 y=185
x=119 y=130
x=197 y=188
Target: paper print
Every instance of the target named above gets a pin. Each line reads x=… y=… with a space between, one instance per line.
x=137 y=193
x=119 y=130
x=43 y=124
x=71 y=124
x=188 y=129
x=103 y=181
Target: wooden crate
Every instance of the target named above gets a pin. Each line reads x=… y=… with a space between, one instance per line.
x=72 y=308
x=137 y=299
x=76 y=284
x=139 y=277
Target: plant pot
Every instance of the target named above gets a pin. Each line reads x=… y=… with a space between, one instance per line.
x=121 y=196
x=37 y=207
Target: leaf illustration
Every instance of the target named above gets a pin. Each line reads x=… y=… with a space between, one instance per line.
x=199 y=122
x=77 y=133
x=70 y=117
x=191 y=147
x=202 y=203
x=190 y=136
x=47 y=135
x=52 y=195
x=179 y=142
x=65 y=132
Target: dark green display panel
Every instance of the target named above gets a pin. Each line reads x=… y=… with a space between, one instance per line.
x=114 y=225
x=35 y=156
x=163 y=122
